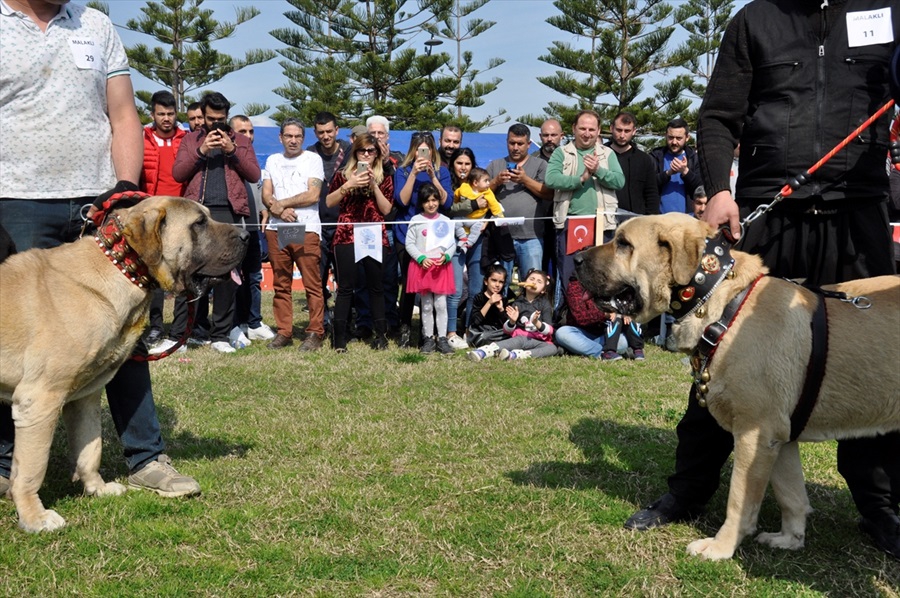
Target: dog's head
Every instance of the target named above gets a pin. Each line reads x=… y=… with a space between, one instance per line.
x=184 y=249
x=634 y=273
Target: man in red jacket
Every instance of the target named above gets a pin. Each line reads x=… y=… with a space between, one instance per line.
x=162 y=138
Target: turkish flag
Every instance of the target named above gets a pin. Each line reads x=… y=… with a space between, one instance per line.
x=580 y=233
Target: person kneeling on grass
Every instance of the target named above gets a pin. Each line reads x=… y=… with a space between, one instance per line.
x=530 y=336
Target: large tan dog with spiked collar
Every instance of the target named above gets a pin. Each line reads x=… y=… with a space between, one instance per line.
x=69 y=318
x=753 y=369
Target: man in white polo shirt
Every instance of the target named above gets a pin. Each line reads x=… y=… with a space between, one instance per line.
x=70 y=133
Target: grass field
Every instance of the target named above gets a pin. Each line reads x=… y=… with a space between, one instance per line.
x=390 y=474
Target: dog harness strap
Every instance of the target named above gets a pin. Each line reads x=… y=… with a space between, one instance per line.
x=815 y=370
x=710 y=339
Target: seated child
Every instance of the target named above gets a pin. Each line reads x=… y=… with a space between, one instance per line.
x=488 y=309
x=529 y=335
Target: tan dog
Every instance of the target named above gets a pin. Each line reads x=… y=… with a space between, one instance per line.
x=69 y=318
x=758 y=371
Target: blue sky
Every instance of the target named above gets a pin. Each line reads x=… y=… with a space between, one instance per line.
x=520 y=36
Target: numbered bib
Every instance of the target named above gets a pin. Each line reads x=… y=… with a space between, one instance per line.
x=87 y=53
x=869 y=27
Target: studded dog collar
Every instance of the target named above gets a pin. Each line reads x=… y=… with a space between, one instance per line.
x=715 y=265
x=113 y=244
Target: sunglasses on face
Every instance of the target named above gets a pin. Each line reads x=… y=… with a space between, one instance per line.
x=367 y=150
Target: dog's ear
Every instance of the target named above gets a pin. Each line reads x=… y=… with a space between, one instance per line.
x=685 y=245
x=143 y=230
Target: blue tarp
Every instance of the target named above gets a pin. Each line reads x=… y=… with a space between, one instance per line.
x=487 y=146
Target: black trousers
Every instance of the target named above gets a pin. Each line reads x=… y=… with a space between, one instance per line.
x=347 y=269
x=850 y=242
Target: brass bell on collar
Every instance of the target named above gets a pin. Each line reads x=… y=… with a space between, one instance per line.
x=702 y=389
x=731 y=274
x=704 y=377
x=701 y=312
x=702 y=402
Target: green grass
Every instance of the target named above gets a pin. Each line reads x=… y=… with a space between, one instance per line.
x=383 y=474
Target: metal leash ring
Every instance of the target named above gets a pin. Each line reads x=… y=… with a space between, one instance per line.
x=860 y=302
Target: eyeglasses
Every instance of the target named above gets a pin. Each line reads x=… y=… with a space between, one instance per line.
x=367 y=150
x=422 y=135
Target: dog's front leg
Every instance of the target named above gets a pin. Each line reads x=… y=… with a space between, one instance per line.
x=790 y=491
x=35 y=413
x=82 y=419
x=754 y=457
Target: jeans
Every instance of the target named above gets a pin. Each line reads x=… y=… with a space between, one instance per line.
x=459 y=264
x=579 y=341
x=476 y=279
x=529 y=255
x=45 y=224
x=248 y=297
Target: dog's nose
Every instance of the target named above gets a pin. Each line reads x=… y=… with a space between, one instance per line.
x=578 y=259
x=244 y=236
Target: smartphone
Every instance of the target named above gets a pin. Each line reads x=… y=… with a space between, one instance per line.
x=511 y=166
x=424 y=152
x=361 y=167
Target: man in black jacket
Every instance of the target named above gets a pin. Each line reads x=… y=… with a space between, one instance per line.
x=793 y=78
x=640 y=194
x=677 y=169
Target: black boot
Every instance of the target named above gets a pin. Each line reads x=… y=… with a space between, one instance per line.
x=380 y=342
x=339 y=340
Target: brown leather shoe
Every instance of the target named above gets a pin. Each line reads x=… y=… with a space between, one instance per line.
x=280 y=342
x=313 y=342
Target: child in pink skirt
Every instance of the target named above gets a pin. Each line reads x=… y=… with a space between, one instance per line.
x=431 y=241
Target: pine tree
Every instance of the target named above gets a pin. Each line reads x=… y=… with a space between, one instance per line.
x=625 y=42
x=471 y=86
x=357 y=58
x=186 y=60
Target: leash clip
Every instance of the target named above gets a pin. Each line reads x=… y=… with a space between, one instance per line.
x=860 y=302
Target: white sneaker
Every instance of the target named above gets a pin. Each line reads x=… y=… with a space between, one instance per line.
x=261 y=333
x=237 y=338
x=222 y=347
x=165 y=345
x=457 y=342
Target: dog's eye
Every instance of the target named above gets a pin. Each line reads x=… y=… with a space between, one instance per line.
x=200 y=222
x=623 y=244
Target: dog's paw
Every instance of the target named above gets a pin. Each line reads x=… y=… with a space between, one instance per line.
x=47 y=521
x=781 y=540
x=110 y=489
x=711 y=549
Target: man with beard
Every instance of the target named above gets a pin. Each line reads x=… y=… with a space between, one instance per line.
x=551 y=136
x=162 y=138
x=194 y=115
x=518 y=183
x=640 y=194
x=333 y=152
x=450 y=141
x=677 y=169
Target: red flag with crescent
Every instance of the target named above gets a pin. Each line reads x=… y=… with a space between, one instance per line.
x=580 y=233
